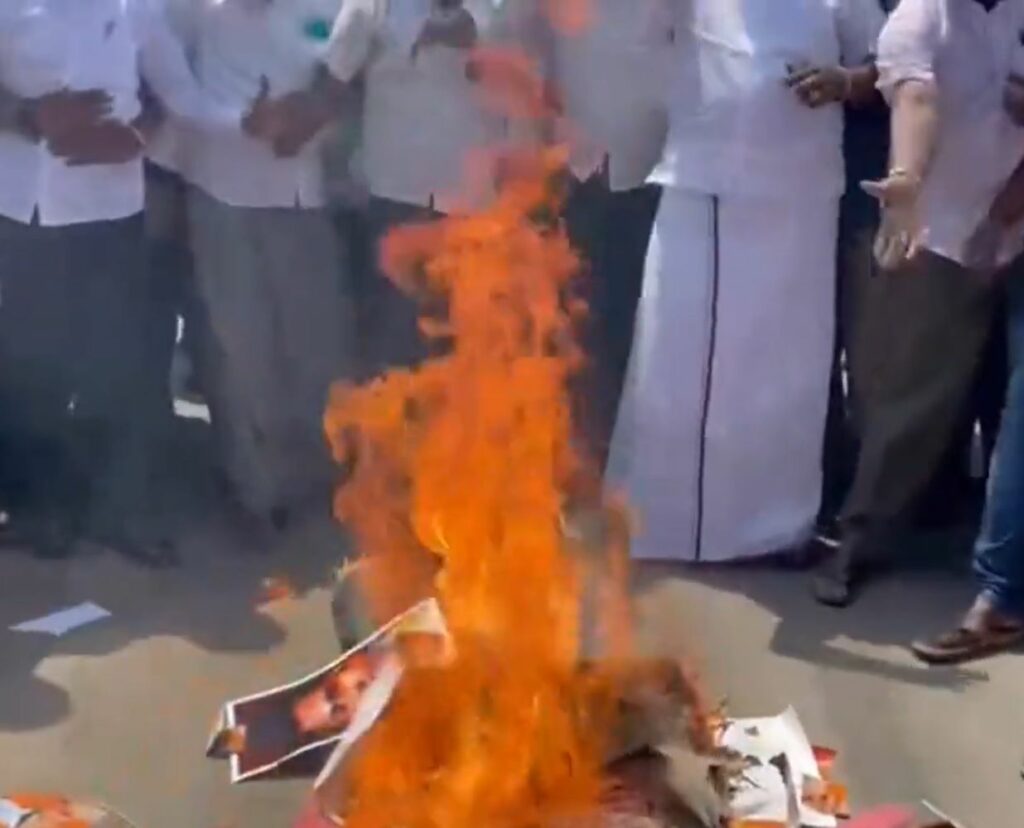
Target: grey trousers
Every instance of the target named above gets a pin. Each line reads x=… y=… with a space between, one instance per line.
x=73 y=390
x=918 y=342
x=280 y=328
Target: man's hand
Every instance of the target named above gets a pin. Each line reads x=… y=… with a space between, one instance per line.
x=263 y=120
x=1013 y=99
x=300 y=116
x=108 y=142
x=900 y=233
x=453 y=27
x=817 y=86
x=51 y=116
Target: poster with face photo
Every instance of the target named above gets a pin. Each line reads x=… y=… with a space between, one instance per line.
x=291 y=730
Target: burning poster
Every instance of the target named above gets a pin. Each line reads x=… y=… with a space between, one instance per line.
x=782 y=781
x=291 y=729
x=37 y=810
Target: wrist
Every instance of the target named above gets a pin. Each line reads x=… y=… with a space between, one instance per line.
x=905 y=176
x=847 y=94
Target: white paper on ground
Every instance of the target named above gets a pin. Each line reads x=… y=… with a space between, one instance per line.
x=768 y=797
x=11 y=816
x=64 y=621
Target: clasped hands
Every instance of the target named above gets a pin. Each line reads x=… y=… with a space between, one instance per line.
x=288 y=122
x=76 y=125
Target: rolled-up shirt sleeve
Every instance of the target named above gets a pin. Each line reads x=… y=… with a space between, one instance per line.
x=908 y=45
x=858 y=23
x=353 y=38
x=164 y=66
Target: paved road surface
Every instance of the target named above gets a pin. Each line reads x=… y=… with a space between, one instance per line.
x=120 y=710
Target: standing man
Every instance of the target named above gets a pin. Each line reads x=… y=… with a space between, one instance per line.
x=266 y=254
x=611 y=79
x=422 y=123
x=943 y=64
x=720 y=431
x=72 y=257
x=995 y=622
x=866 y=156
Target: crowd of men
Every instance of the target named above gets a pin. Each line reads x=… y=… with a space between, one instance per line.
x=797 y=217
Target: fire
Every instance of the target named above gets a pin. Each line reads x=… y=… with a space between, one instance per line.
x=569 y=16
x=462 y=465
x=458 y=479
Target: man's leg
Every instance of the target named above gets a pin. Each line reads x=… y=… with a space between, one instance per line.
x=241 y=365
x=36 y=313
x=926 y=324
x=390 y=336
x=116 y=396
x=855 y=270
x=996 y=621
x=611 y=230
x=167 y=270
x=999 y=555
x=314 y=342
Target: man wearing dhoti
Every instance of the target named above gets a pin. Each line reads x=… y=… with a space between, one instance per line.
x=719 y=438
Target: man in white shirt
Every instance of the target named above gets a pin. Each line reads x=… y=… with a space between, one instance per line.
x=944 y=65
x=422 y=123
x=719 y=438
x=72 y=269
x=270 y=275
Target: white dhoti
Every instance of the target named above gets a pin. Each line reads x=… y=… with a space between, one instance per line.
x=719 y=439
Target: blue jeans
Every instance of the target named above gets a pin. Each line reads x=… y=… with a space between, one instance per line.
x=999 y=552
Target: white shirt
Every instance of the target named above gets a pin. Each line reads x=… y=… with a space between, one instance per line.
x=46 y=45
x=734 y=127
x=612 y=78
x=422 y=120
x=969 y=54
x=235 y=43
x=166 y=147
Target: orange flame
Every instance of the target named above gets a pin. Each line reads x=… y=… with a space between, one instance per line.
x=464 y=462
x=458 y=477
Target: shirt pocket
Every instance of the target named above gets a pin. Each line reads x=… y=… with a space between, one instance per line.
x=36 y=45
x=106 y=51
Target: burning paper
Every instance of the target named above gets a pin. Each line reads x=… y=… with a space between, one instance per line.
x=781 y=772
x=290 y=729
x=459 y=474
x=36 y=810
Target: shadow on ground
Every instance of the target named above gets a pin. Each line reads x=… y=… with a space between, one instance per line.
x=211 y=599
x=926 y=589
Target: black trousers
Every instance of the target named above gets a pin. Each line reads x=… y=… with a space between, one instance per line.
x=611 y=231
x=387 y=318
x=172 y=290
x=72 y=320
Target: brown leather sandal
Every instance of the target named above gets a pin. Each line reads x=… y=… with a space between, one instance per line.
x=964 y=644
